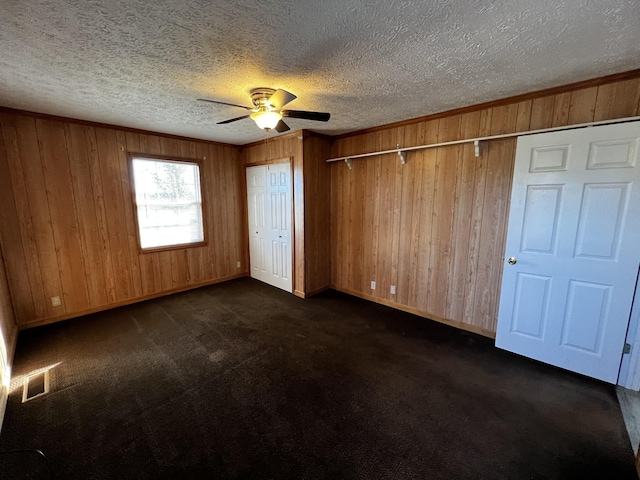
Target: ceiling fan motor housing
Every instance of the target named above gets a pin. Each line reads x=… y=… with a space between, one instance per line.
x=260 y=97
x=267 y=109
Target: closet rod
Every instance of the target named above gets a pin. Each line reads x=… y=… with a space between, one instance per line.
x=476 y=140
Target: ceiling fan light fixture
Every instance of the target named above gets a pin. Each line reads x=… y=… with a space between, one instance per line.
x=266 y=119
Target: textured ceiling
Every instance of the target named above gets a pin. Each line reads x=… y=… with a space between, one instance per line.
x=143 y=64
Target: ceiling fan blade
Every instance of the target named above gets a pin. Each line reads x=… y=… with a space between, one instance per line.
x=224 y=103
x=282 y=127
x=280 y=98
x=233 y=119
x=317 y=116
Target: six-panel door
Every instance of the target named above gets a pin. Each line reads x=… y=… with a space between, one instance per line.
x=573 y=248
x=269 y=209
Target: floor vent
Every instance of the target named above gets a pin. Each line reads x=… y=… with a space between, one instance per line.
x=35 y=386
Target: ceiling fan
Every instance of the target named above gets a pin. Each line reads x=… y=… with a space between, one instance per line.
x=267 y=111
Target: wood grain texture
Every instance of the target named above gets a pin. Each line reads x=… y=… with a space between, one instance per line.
x=434 y=228
x=23 y=268
x=299 y=245
x=317 y=195
x=8 y=327
x=279 y=149
x=62 y=208
x=617 y=100
x=68 y=226
x=80 y=172
x=29 y=147
x=452 y=208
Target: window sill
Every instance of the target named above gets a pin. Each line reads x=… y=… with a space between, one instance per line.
x=165 y=248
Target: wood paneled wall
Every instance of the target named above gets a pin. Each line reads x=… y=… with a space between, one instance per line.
x=435 y=227
x=307 y=154
x=289 y=147
x=317 y=201
x=8 y=329
x=67 y=219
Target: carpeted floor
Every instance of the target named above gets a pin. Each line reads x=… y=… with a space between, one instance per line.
x=241 y=380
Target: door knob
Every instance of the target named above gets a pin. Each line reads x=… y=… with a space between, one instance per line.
x=512 y=260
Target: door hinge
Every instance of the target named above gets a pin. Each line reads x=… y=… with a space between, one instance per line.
x=626 y=349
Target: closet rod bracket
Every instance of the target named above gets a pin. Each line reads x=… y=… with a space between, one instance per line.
x=402 y=155
x=476 y=146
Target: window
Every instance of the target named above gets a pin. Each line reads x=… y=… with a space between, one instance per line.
x=168 y=202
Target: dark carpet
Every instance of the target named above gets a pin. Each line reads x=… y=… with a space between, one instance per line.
x=241 y=380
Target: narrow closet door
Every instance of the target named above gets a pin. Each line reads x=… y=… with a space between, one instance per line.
x=270 y=229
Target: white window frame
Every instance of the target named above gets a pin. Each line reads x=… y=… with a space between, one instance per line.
x=202 y=210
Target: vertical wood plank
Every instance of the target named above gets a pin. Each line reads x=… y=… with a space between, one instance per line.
x=214 y=187
x=8 y=321
x=227 y=178
x=107 y=148
x=101 y=214
x=396 y=214
x=617 y=100
x=295 y=152
x=561 y=107
x=407 y=242
x=524 y=116
x=30 y=156
x=504 y=193
x=208 y=257
x=474 y=255
x=583 y=105
x=317 y=199
x=62 y=208
x=22 y=266
x=344 y=176
x=424 y=269
x=354 y=248
x=334 y=230
x=442 y=219
x=87 y=217
x=463 y=216
x=542 y=112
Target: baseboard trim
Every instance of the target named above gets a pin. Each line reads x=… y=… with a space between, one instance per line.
x=317 y=291
x=300 y=294
x=46 y=321
x=421 y=313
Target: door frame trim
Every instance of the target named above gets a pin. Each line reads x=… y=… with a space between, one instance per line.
x=629 y=374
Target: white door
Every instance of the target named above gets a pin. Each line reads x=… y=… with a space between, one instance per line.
x=573 y=248
x=269 y=204
x=256 y=201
